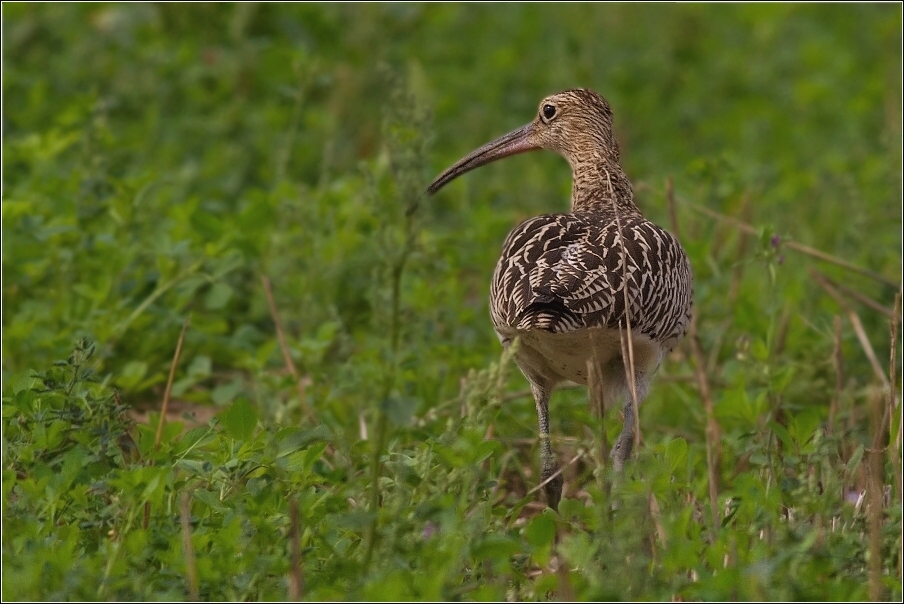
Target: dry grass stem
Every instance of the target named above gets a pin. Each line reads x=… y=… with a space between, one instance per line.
x=804 y=249
x=673 y=212
x=677 y=379
x=295 y=578
x=838 y=363
x=875 y=502
x=737 y=271
x=627 y=343
x=713 y=449
x=520 y=394
x=627 y=346
x=362 y=426
x=713 y=360
x=488 y=435
x=781 y=333
x=188 y=550
x=169 y=385
x=556 y=473
x=858 y=328
x=859 y=297
x=656 y=515
x=287 y=357
x=503 y=466
x=528 y=442
x=894 y=449
x=597 y=404
x=565 y=592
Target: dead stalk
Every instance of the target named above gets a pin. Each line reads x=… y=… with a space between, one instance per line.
x=781 y=334
x=894 y=445
x=556 y=473
x=295 y=578
x=169 y=385
x=876 y=502
x=597 y=403
x=712 y=361
x=656 y=514
x=362 y=426
x=287 y=357
x=488 y=435
x=503 y=465
x=565 y=593
x=713 y=449
x=627 y=344
x=857 y=325
x=673 y=213
x=628 y=354
x=880 y=416
x=188 y=549
x=859 y=297
x=516 y=395
x=737 y=273
x=804 y=249
x=838 y=362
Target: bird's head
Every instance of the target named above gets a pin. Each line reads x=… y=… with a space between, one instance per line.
x=575 y=123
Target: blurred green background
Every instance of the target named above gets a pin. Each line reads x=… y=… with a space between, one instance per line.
x=160 y=159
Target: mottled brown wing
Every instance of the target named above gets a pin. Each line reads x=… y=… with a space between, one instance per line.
x=563 y=272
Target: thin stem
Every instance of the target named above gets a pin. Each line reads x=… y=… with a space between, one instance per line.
x=188 y=549
x=894 y=440
x=396 y=274
x=159 y=291
x=295 y=579
x=284 y=347
x=713 y=450
x=858 y=328
x=169 y=385
x=804 y=249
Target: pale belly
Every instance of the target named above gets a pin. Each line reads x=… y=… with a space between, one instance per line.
x=551 y=358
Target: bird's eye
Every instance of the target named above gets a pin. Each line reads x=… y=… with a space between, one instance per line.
x=549 y=112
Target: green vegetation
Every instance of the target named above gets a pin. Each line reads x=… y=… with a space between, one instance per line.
x=169 y=165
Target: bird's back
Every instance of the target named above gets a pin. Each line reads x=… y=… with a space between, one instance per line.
x=562 y=273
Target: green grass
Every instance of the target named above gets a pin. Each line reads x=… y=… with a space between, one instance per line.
x=159 y=160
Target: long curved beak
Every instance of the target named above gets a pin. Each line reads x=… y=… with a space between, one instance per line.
x=519 y=141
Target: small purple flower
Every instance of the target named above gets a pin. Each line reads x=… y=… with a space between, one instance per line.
x=775 y=241
x=429 y=530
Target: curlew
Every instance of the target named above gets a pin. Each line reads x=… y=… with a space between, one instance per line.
x=598 y=287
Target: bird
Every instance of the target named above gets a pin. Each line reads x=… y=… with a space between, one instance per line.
x=598 y=287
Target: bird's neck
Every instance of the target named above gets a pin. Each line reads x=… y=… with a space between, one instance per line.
x=602 y=187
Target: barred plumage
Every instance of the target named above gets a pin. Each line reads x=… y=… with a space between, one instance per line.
x=564 y=281
x=574 y=262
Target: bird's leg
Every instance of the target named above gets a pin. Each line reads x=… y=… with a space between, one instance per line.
x=548 y=464
x=625 y=442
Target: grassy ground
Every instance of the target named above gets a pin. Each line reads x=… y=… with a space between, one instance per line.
x=351 y=429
